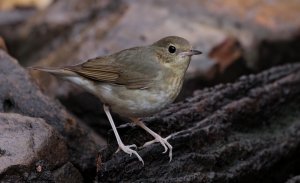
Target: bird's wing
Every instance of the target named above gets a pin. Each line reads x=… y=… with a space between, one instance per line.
x=119 y=69
x=98 y=69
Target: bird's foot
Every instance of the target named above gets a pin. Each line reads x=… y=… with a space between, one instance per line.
x=127 y=149
x=164 y=142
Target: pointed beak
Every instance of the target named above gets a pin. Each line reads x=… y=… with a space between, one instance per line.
x=191 y=53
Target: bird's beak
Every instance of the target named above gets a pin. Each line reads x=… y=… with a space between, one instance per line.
x=191 y=53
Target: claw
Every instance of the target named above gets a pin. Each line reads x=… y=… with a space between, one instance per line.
x=166 y=149
x=132 y=145
x=157 y=138
x=163 y=141
x=149 y=143
x=127 y=149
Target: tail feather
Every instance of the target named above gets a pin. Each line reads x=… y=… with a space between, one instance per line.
x=55 y=71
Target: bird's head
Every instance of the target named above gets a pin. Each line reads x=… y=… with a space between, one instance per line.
x=174 y=52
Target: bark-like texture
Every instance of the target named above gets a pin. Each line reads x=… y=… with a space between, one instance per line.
x=295 y=179
x=247 y=131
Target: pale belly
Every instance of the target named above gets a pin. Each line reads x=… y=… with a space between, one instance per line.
x=135 y=102
x=132 y=102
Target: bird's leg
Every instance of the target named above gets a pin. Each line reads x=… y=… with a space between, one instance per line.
x=158 y=138
x=126 y=148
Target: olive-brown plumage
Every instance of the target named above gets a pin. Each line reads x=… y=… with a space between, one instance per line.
x=135 y=82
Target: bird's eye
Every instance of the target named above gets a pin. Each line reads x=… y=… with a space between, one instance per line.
x=172 y=49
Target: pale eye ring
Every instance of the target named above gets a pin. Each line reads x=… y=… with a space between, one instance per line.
x=172 y=49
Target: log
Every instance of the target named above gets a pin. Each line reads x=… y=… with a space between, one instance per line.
x=247 y=131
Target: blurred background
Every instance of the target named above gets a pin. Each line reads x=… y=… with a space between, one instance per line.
x=237 y=38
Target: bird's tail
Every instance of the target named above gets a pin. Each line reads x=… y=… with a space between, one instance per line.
x=55 y=71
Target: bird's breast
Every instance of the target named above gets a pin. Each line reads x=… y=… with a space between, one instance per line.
x=140 y=102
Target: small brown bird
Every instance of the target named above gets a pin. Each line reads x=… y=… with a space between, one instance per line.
x=136 y=82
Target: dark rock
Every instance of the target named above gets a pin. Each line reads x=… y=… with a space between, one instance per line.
x=295 y=179
x=247 y=131
x=67 y=174
x=19 y=95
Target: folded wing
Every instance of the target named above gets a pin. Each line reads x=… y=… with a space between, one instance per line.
x=119 y=69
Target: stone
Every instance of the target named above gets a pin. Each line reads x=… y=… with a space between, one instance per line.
x=25 y=141
x=18 y=94
x=295 y=179
x=67 y=174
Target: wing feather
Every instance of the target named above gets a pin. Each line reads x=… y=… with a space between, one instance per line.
x=112 y=69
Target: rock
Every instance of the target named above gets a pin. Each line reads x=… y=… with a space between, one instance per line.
x=295 y=179
x=247 y=131
x=19 y=95
x=67 y=174
x=25 y=141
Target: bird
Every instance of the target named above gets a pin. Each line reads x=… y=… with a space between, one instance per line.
x=134 y=83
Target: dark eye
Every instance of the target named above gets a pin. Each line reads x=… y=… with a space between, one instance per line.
x=172 y=49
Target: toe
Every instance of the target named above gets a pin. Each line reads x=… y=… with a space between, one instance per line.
x=129 y=151
x=164 y=145
x=149 y=143
x=132 y=145
x=139 y=157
